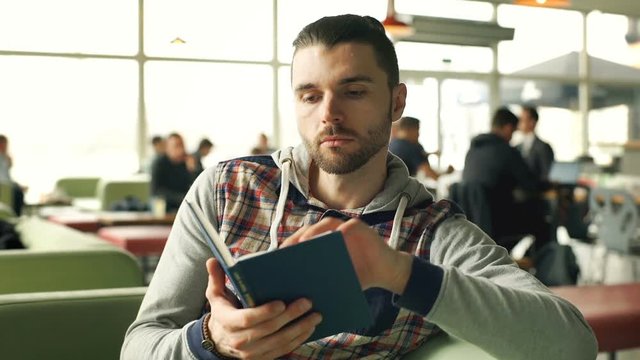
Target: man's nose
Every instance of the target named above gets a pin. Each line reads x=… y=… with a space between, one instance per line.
x=331 y=110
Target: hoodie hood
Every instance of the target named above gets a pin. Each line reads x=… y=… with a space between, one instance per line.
x=486 y=139
x=397 y=185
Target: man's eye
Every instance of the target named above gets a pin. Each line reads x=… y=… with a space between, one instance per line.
x=310 y=98
x=356 y=93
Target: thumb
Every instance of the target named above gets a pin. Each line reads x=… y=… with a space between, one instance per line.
x=216 y=277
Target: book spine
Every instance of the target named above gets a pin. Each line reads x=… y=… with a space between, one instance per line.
x=241 y=286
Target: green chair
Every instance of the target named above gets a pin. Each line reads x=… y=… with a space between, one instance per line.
x=78 y=187
x=113 y=191
x=87 y=324
x=26 y=271
x=6 y=194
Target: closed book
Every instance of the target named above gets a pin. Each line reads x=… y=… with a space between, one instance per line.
x=319 y=269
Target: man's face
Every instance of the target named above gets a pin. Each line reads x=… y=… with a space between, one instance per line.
x=343 y=105
x=526 y=124
x=160 y=147
x=175 y=149
x=3 y=147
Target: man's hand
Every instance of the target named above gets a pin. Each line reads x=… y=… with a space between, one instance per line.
x=255 y=333
x=376 y=264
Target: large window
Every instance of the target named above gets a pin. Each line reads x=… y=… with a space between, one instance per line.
x=540 y=35
x=210 y=100
x=68 y=117
x=234 y=30
x=69 y=26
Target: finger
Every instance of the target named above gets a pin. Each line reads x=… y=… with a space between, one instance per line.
x=294 y=311
x=248 y=318
x=295 y=237
x=290 y=337
x=324 y=225
x=216 y=277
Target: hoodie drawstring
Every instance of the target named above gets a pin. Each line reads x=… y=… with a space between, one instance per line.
x=284 y=190
x=282 y=199
x=397 y=221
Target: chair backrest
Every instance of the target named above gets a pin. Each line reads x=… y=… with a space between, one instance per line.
x=6 y=193
x=78 y=187
x=86 y=324
x=113 y=191
x=616 y=216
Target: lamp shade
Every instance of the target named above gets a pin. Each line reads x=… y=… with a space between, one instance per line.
x=544 y=3
x=394 y=27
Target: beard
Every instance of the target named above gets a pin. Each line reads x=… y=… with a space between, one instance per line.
x=337 y=160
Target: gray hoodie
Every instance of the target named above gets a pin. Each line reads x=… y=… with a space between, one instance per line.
x=461 y=281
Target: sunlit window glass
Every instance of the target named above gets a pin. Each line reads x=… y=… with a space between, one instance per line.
x=289 y=135
x=72 y=26
x=293 y=15
x=541 y=35
x=422 y=103
x=464 y=114
x=227 y=103
x=234 y=30
x=68 y=117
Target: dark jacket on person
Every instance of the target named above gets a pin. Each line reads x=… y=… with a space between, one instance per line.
x=539 y=158
x=412 y=154
x=500 y=169
x=170 y=181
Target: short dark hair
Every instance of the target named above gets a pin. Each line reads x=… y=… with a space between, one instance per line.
x=533 y=112
x=502 y=117
x=174 y=135
x=156 y=139
x=408 y=122
x=204 y=143
x=3 y=139
x=333 y=30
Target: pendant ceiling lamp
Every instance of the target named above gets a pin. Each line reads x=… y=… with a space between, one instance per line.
x=544 y=3
x=394 y=27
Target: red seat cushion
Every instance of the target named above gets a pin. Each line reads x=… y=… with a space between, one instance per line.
x=139 y=239
x=612 y=311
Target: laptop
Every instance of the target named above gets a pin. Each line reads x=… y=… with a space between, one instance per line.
x=565 y=172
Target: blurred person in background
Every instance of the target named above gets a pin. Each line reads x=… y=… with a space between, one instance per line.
x=262 y=148
x=172 y=173
x=536 y=153
x=404 y=144
x=5 y=177
x=204 y=148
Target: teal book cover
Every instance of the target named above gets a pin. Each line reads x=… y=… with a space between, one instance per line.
x=319 y=269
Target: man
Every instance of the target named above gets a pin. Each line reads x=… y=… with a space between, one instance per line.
x=204 y=149
x=537 y=154
x=172 y=173
x=500 y=169
x=262 y=148
x=159 y=146
x=5 y=177
x=437 y=270
x=404 y=144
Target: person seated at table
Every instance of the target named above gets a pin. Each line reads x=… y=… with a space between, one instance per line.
x=5 y=177
x=172 y=173
x=404 y=144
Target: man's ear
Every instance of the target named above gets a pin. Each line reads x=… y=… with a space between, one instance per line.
x=398 y=101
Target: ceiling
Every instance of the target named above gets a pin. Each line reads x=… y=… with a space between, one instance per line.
x=623 y=7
